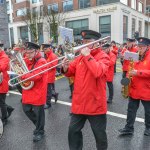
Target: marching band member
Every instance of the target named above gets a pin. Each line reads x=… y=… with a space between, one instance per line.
x=89 y=95
x=6 y=110
x=33 y=100
x=110 y=74
x=115 y=51
x=50 y=56
x=132 y=48
x=139 y=90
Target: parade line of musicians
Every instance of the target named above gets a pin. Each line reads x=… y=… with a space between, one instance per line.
x=94 y=67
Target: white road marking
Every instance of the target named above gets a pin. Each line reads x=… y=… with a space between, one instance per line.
x=109 y=113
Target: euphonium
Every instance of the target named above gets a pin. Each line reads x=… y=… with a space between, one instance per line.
x=18 y=65
x=126 y=81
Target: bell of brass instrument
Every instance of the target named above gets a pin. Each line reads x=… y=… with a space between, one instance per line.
x=126 y=81
x=18 y=66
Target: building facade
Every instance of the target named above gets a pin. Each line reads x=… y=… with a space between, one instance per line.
x=4 y=36
x=118 y=18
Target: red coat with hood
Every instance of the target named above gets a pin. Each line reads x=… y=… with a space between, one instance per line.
x=110 y=74
x=4 y=67
x=50 y=56
x=37 y=94
x=126 y=63
x=140 y=84
x=89 y=95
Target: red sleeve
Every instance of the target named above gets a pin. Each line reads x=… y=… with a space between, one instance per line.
x=97 y=68
x=4 y=65
x=143 y=73
x=112 y=60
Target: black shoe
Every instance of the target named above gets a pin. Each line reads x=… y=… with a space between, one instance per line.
x=126 y=131
x=46 y=106
x=70 y=97
x=37 y=137
x=9 y=110
x=56 y=97
x=147 y=132
x=109 y=101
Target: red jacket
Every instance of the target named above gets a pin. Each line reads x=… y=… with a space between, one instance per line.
x=110 y=73
x=4 y=67
x=115 y=50
x=37 y=94
x=89 y=95
x=50 y=56
x=126 y=63
x=140 y=84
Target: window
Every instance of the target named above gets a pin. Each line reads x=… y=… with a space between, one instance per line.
x=24 y=33
x=12 y=36
x=124 y=2
x=125 y=27
x=133 y=4
x=9 y=20
x=34 y=1
x=8 y=6
x=102 y=2
x=41 y=10
x=21 y=12
x=133 y=27
x=34 y=10
x=140 y=7
x=1 y=1
x=105 y=25
x=53 y=7
x=140 y=28
x=84 y=4
x=78 y=26
x=68 y=5
x=18 y=1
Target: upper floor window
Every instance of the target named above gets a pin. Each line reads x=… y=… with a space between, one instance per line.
x=53 y=7
x=102 y=2
x=8 y=6
x=18 y=1
x=84 y=4
x=124 y=2
x=133 y=4
x=68 y=5
x=1 y=1
x=34 y=1
x=21 y=12
x=140 y=7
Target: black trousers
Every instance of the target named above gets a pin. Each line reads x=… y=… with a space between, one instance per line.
x=37 y=115
x=50 y=93
x=133 y=106
x=3 y=106
x=111 y=90
x=98 y=125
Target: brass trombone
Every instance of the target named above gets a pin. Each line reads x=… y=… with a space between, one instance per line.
x=70 y=54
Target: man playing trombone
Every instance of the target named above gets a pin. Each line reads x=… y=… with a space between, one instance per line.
x=33 y=99
x=89 y=95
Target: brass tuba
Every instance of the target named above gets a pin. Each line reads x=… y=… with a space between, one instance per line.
x=18 y=66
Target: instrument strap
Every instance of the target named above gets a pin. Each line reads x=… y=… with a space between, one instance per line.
x=37 y=59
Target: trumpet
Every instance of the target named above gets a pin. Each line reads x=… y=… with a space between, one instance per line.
x=70 y=54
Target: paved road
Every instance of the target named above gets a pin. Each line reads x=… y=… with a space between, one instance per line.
x=18 y=132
